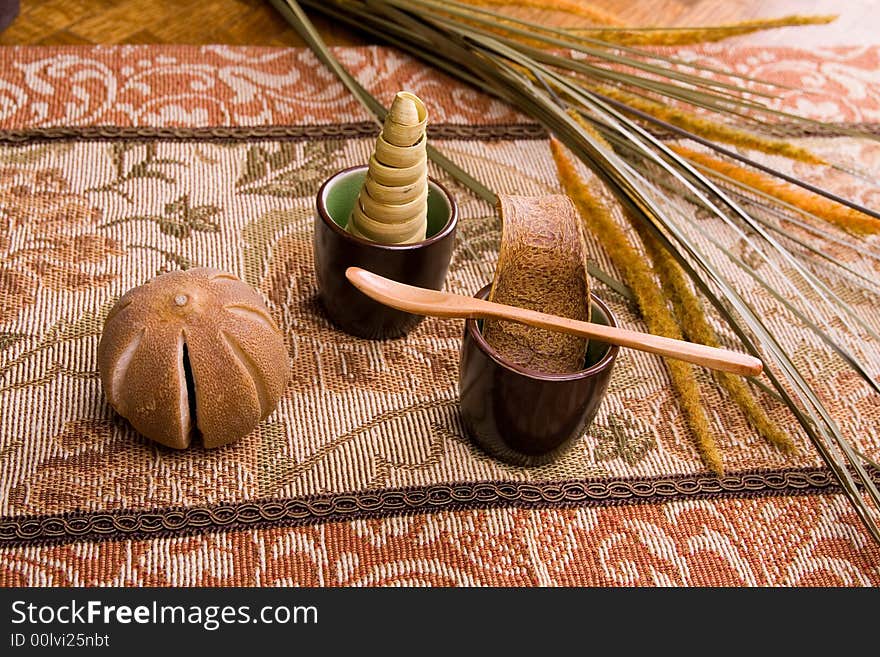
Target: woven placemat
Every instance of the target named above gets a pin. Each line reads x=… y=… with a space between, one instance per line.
x=118 y=163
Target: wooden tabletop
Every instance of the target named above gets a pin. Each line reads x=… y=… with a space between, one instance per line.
x=255 y=22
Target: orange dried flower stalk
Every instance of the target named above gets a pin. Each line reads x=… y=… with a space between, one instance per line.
x=586 y=125
x=711 y=129
x=690 y=36
x=847 y=218
x=692 y=319
x=573 y=7
x=655 y=312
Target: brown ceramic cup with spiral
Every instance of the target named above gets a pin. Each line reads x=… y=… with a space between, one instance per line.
x=387 y=217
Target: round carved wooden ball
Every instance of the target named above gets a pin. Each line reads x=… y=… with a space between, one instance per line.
x=192 y=354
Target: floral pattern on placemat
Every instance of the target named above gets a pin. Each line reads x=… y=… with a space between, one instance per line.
x=777 y=541
x=357 y=415
x=86 y=215
x=190 y=86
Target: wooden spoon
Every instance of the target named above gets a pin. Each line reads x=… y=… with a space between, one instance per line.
x=420 y=301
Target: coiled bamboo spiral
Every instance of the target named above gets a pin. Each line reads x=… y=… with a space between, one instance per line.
x=392 y=206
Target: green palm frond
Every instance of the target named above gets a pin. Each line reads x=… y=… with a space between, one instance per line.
x=529 y=66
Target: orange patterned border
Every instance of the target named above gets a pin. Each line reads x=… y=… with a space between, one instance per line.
x=197 y=86
x=781 y=541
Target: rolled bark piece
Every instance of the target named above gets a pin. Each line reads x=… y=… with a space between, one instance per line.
x=392 y=207
x=542 y=266
x=192 y=353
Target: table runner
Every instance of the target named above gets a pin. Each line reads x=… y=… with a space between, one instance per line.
x=118 y=163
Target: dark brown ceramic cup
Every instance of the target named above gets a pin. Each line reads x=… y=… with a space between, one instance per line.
x=525 y=417
x=423 y=263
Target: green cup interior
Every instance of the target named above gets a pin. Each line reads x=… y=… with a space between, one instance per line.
x=596 y=350
x=341 y=195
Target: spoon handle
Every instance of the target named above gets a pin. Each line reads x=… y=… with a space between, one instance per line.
x=445 y=304
x=712 y=357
